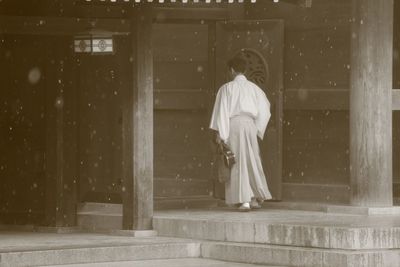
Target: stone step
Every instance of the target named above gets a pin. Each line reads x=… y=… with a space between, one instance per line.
x=191 y=202
x=274 y=227
x=330 y=208
x=144 y=249
x=38 y=249
x=105 y=216
x=104 y=208
x=186 y=262
x=99 y=222
x=298 y=256
x=160 y=203
x=99 y=216
x=173 y=187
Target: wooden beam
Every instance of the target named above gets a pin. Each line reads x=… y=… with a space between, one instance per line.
x=138 y=205
x=164 y=13
x=371 y=103
x=60 y=25
x=294 y=14
x=54 y=143
x=61 y=136
x=143 y=121
x=302 y=3
x=396 y=99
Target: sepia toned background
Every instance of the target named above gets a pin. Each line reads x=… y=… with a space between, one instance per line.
x=308 y=84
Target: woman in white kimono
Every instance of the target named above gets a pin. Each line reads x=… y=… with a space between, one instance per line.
x=241 y=113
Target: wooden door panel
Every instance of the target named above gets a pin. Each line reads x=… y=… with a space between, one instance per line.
x=181 y=87
x=100 y=129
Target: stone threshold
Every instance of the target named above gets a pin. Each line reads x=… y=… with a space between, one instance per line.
x=333 y=208
x=76 y=229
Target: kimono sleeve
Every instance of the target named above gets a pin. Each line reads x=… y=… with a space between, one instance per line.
x=220 y=116
x=264 y=113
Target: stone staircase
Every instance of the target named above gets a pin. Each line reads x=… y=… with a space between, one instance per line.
x=272 y=236
x=265 y=237
x=288 y=238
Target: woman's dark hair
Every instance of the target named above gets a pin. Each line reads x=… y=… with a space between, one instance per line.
x=237 y=63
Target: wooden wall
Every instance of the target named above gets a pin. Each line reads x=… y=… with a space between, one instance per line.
x=181 y=138
x=22 y=128
x=316 y=64
x=316 y=120
x=37 y=86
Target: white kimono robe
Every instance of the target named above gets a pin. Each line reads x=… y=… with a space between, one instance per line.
x=241 y=113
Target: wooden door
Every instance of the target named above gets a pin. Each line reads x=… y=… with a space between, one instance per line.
x=262 y=43
x=22 y=129
x=182 y=157
x=102 y=85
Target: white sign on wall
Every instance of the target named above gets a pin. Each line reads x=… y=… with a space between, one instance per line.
x=102 y=45
x=95 y=45
x=82 y=46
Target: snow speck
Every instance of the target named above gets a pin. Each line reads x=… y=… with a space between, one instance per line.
x=34 y=75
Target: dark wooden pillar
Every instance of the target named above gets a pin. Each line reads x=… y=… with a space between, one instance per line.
x=138 y=196
x=61 y=135
x=370 y=103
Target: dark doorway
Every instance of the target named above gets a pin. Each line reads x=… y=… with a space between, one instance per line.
x=103 y=81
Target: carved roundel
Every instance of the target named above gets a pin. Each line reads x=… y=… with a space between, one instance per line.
x=102 y=45
x=257 y=69
x=82 y=45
